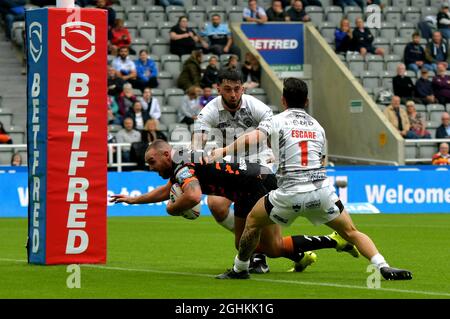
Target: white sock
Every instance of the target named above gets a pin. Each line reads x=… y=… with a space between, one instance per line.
x=240 y=265
x=378 y=260
x=228 y=222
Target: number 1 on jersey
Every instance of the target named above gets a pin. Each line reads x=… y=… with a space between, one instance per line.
x=304 y=152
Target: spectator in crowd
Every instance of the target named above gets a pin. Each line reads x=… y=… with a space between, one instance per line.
x=232 y=63
x=4 y=136
x=166 y=3
x=436 y=50
x=211 y=76
x=12 y=11
x=115 y=83
x=183 y=40
x=138 y=115
x=152 y=132
x=127 y=135
x=416 y=121
x=398 y=118
x=190 y=107
x=206 y=97
x=276 y=12
x=343 y=37
x=346 y=3
x=251 y=71
x=126 y=99
x=443 y=20
x=254 y=13
x=124 y=65
x=146 y=72
x=150 y=104
x=218 y=37
x=101 y=4
x=442 y=157
x=192 y=72
x=443 y=131
x=16 y=159
x=441 y=84
x=414 y=55
x=363 y=39
x=113 y=111
x=120 y=37
x=424 y=88
x=402 y=84
x=297 y=12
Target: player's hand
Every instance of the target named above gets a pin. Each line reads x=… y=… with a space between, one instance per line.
x=170 y=210
x=216 y=154
x=119 y=198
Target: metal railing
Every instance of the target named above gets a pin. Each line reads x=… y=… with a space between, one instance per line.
x=356 y=160
x=418 y=143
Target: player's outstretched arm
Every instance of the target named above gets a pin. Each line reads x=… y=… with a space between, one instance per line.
x=155 y=196
x=240 y=144
x=192 y=195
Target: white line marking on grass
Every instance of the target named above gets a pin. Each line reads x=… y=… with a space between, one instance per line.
x=291 y=282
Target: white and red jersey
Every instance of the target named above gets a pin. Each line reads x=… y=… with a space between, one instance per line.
x=298 y=143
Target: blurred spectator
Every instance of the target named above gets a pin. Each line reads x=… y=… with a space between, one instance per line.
x=232 y=63
x=416 y=121
x=166 y=3
x=115 y=84
x=441 y=84
x=126 y=99
x=183 y=40
x=124 y=65
x=251 y=71
x=398 y=118
x=297 y=12
x=424 y=88
x=101 y=4
x=120 y=37
x=346 y=3
x=113 y=111
x=211 y=76
x=11 y=11
x=436 y=50
x=402 y=84
x=4 y=137
x=442 y=157
x=343 y=37
x=276 y=12
x=127 y=135
x=219 y=39
x=363 y=39
x=443 y=131
x=146 y=72
x=192 y=72
x=414 y=55
x=16 y=159
x=152 y=132
x=254 y=13
x=206 y=97
x=150 y=104
x=190 y=107
x=443 y=21
x=138 y=115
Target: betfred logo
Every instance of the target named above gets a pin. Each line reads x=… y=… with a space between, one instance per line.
x=274 y=44
x=35 y=40
x=78 y=40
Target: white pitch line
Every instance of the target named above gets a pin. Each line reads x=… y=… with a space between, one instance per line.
x=292 y=282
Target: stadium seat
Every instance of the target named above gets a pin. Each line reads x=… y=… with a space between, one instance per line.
x=412 y=14
x=370 y=79
x=411 y=151
x=174 y=12
x=436 y=3
x=400 y=3
x=156 y=14
x=159 y=95
x=226 y=3
x=197 y=15
x=5 y=156
x=392 y=60
x=448 y=107
x=382 y=43
x=184 y=57
x=432 y=127
x=165 y=80
x=429 y=11
x=356 y=63
x=127 y=3
x=216 y=10
x=171 y=63
x=145 y=3
x=419 y=3
x=374 y=62
x=353 y=12
x=327 y=29
x=392 y=14
x=168 y=115
x=434 y=112
x=235 y=14
x=406 y=29
x=388 y=30
x=334 y=14
x=174 y=97
x=148 y=30
x=6 y=117
x=422 y=110
x=398 y=45
x=135 y=13
x=132 y=28
x=427 y=150
x=164 y=29
x=315 y=13
x=137 y=92
x=205 y=3
x=160 y=46
x=117 y=8
x=139 y=44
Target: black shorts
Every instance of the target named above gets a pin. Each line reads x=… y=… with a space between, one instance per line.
x=244 y=205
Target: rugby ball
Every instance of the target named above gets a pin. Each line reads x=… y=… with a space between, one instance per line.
x=175 y=192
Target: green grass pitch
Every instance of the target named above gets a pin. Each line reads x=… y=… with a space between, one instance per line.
x=171 y=257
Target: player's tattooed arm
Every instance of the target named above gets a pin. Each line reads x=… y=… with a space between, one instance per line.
x=192 y=195
x=240 y=145
x=155 y=196
x=249 y=241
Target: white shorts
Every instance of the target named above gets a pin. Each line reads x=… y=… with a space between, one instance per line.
x=318 y=206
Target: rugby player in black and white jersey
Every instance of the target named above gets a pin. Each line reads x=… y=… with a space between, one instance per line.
x=242 y=183
x=298 y=143
x=224 y=119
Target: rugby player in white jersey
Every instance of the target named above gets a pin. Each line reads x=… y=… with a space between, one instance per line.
x=224 y=119
x=298 y=143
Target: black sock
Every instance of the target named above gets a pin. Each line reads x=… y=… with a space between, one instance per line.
x=303 y=243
